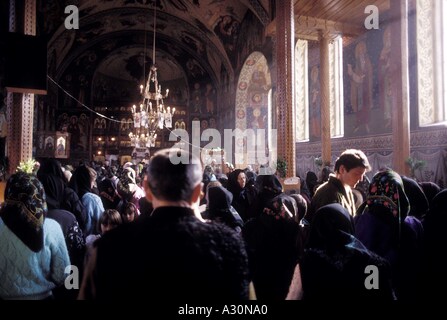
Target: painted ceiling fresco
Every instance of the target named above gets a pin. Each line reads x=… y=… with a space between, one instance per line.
x=207 y=30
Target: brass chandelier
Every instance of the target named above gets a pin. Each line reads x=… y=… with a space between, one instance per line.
x=152 y=114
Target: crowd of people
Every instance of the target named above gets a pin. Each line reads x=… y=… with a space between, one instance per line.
x=168 y=227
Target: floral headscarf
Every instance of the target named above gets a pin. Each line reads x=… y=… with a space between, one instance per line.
x=25 y=209
x=386 y=190
x=281 y=207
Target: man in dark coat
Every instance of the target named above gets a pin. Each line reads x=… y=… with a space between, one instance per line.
x=171 y=254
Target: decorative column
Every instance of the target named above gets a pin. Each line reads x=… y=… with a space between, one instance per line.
x=325 y=90
x=400 y=85
x=20 y=106
x=285 y=95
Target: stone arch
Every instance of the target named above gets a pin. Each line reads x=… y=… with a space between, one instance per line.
x=253 y=98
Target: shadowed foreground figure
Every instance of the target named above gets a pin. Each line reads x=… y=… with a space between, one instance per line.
x=385 y=227
x=33 y=253
x=170 y=254
x=334 y=264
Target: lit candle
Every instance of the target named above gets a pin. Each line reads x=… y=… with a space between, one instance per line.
x=141 y=88
x=133 y=108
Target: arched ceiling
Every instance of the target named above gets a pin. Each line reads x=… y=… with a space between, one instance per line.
x=200 y=35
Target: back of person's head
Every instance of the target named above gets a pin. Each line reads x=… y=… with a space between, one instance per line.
x=268 y=186
x=210 y=185
x=386 y=190
x=352 y=158
x=281 y=207
x=331 y=228
x=81 y=181
x=416 y=196
x=25 y=208
x=219 y=198
x=430 y=189
x=173 y=174
x=301 y=205
x=51 y=167
x=325 y=173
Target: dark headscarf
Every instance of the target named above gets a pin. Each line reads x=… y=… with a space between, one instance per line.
x=430 y=189
x=108 y=194
x=268 y=187
x=331 y=229
x=51 y=167
x=54 y=190
x=80 y=181
x=219 y=198
x=311 y=182
x=25 y=209
x=301 y=205
x=416 y=197
x=334 y=264
x=220 y=209
x=233 y=184
x=281 y=207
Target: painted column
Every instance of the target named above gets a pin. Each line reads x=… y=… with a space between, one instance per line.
x=285 y=95
x=20 y=106
x=400 y=85
x=325 y=91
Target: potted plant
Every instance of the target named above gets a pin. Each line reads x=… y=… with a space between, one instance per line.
x=281 y=168
x=318 y=163
x=415 y=165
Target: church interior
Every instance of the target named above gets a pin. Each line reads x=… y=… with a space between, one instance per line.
x=317 y=76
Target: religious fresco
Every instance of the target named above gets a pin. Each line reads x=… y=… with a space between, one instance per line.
x=368 y=98
x=252 y=96
x=78 y=125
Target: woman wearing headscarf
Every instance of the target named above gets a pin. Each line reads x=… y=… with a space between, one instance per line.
x=128 y=189
x=416 y=197
x=74 y=237
x=273 y=245
x=385 y=228
x=63 y=197
x=243 y=196
x=82 y=182
x=33 y=251
x=219 y=208
x=430 y=189
x=335 y=262
x=267 y=187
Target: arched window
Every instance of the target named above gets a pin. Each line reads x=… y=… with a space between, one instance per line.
x=303 y=91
